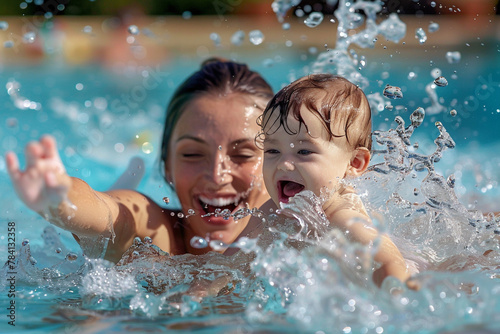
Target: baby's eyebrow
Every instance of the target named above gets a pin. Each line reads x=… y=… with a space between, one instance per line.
x=270 y=140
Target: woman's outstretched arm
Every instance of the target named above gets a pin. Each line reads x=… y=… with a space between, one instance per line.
x=70 y=203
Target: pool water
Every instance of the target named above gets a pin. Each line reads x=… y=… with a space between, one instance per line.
x=102 y=118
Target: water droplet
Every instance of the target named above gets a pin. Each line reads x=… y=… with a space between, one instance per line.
x=187 y=15
x=29 y=37
x=453 y=57
x=238 y=38
x=285 y=26
x=71 y=256
x=198 y=242
x=215 y=37
x=133 y=29
x=436 y=72
x=292 y=145
x=415 y=191
x=8 y=44
x=166 y=200
x=268 y=62
x=453 y=112
x=417 y=117
x=393 y=92
x=441 y=81
x=58 y=250
x=25 y=242
x=180 y=215
x=412 y=76
x=314 y=19
x=256 y=37
x=148 y=240
x=220 y=147
x=87 y=29
x=4 y=25
x=191 y=212
x=147 y=147
x=420 y=35
x=135 y=253
x=217 y=245
x=433 y=27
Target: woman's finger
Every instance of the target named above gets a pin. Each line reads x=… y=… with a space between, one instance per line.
x=33 y=153
x=12 y=165
x=49 y=145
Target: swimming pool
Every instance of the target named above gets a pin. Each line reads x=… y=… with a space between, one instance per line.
x=102 y=118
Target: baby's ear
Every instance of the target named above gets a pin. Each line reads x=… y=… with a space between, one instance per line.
x=359 y=161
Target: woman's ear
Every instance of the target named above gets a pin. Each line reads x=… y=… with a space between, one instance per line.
x=166 y=175
x=359 y=161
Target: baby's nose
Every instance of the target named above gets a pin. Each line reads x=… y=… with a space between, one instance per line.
x=286 y=165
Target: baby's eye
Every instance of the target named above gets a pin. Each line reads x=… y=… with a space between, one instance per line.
x=271 y=151
x=305 y=152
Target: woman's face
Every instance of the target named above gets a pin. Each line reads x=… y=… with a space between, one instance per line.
x=214 y=165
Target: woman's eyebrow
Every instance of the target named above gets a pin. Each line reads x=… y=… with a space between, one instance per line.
x=241 y=141
x=190 y=137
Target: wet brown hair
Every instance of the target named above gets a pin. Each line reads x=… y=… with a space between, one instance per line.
x=219 y=77
x=344 y=102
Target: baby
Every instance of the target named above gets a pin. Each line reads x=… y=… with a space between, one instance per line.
x=316 y=132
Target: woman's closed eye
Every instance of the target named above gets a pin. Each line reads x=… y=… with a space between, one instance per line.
x=192 y=155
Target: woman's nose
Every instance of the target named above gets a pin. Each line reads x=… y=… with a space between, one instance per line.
x=221 y=170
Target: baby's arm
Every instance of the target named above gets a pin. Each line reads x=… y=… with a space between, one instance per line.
x=356 y=228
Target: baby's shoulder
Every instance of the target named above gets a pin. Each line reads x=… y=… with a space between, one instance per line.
x=352 y=201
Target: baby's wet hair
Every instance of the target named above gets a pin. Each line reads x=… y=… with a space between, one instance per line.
x=343 y=102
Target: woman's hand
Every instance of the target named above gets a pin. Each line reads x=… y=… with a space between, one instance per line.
x=44 y=183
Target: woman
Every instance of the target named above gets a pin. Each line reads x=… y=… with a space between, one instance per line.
x=209 y=157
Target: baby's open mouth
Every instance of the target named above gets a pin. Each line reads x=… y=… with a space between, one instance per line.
x=287 y=189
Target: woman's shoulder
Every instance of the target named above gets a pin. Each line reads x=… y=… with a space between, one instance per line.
x=162 y=225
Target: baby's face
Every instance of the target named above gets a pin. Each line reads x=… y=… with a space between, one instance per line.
x=303 y=161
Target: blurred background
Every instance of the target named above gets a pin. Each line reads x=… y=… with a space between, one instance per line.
x=217 y=7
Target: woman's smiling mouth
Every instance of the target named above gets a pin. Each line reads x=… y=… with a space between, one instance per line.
x=214 y=205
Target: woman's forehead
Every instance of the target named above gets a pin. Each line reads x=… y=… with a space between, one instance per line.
x=220 y=117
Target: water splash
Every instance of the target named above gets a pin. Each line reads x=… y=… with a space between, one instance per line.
x=281 y=7
x=340 y=60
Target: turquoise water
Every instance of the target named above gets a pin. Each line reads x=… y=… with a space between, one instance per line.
x=102 y=118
